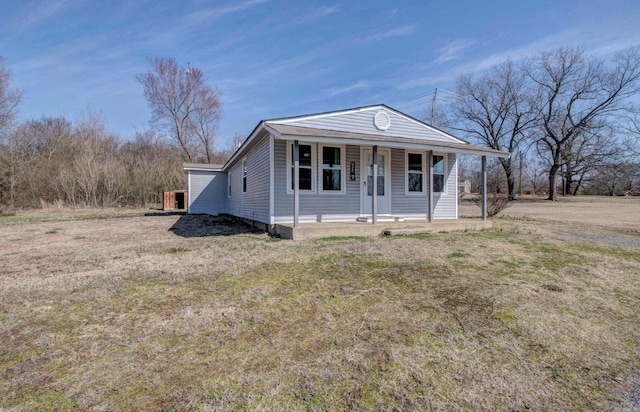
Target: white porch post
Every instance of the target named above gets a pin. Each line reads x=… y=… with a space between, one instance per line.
x=484 y=187
x=430 y=190
x=374 y=188
x=296 y=183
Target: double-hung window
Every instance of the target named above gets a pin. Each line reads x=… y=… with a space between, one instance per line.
x=438 y=174
x=415 y=173
x=244 y=175
x=305 y=167
x=332 y=169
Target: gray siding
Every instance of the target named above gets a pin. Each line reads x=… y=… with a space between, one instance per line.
x=445 y=205
x=254 y=203
x=316 y=206
x=401 y=203
x=207 y=192
x=362 y=122
x=320 y=206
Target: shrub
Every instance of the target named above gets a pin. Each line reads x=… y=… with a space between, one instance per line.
x=496 y=203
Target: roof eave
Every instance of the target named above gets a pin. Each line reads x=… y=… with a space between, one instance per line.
x=390 y=141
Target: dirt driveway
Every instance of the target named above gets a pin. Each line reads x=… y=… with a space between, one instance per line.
x=621 y=214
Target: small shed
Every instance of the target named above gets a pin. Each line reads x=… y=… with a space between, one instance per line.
x=208 y=189
x=175 y=200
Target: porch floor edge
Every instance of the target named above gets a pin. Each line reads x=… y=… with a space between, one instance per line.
x=362 y=229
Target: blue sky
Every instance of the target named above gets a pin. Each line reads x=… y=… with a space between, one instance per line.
x=283 y=58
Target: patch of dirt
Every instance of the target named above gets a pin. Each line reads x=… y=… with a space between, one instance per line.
x=617 y=213
x=205 y=225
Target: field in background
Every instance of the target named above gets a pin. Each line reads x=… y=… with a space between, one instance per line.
x=114 y=310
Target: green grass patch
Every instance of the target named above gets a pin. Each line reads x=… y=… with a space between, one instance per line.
x=173 y=250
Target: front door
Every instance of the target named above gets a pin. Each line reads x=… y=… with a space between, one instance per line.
x=384 y=196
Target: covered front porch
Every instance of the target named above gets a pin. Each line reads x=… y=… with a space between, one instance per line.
x=391 y=159
x=383 y=226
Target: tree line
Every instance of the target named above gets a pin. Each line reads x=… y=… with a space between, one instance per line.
x=572 y=117
x=566 y=117
x=52 y=160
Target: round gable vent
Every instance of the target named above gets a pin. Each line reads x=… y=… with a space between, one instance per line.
x=382 y=121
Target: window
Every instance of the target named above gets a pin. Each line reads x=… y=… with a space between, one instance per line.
x=244 y=175
x=415 y=173
x=229 y=183
x=305 y=168
x=332 y=168
x=438 y=174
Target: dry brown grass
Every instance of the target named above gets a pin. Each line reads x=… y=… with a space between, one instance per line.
x=123 y=313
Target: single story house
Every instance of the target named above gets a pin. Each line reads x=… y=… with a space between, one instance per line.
x=364 y=164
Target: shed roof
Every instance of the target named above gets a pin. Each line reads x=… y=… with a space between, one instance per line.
x=202 y=167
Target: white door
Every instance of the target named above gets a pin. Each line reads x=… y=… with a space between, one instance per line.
x=384 y=194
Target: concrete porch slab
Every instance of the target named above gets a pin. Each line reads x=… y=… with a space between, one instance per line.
x=366 y=229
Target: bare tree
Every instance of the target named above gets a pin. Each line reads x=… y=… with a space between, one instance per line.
x=579 y=97
x=495 y=110
x=182 y=105
x=585 y=153
x=203 y=121
x=10 y=97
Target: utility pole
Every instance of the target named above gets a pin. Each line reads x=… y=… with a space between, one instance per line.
x=433 y=106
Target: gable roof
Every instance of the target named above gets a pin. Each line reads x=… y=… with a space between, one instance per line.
x=363 y=120
x=359 y=126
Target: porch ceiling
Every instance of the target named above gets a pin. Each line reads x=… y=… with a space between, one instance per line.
x=308 y=134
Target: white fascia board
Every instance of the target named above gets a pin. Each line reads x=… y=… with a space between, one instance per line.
x=288 y=120
x=201 y=169
x=387 y=143
x=247 y=143
x=426 y=126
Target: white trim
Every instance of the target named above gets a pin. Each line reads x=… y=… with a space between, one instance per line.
x=387 y=179
x=455 y=172
x=315 y=218
x=244 y=173
x=376 y=121
x=188 y=193
x=385 y=143
x=201 y=169
x=272 y=162
x=288 y=120
x=425 y=174
x=314 y=169
x=445 y=176
x=343 y=170
x=229 y=185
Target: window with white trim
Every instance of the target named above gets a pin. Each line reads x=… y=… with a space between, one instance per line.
x=439 y=169
x=244 y=175
x=332 y=169
x=415 y=173
x=306 y=167
x=229 y=183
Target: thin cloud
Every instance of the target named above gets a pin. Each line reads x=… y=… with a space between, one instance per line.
x=453 y=50
x=342 y=90
x=397 y=32
x=208 y=15
x=35 y=14
x=315 y=14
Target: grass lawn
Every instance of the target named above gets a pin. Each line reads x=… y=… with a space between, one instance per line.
x=123 y=314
